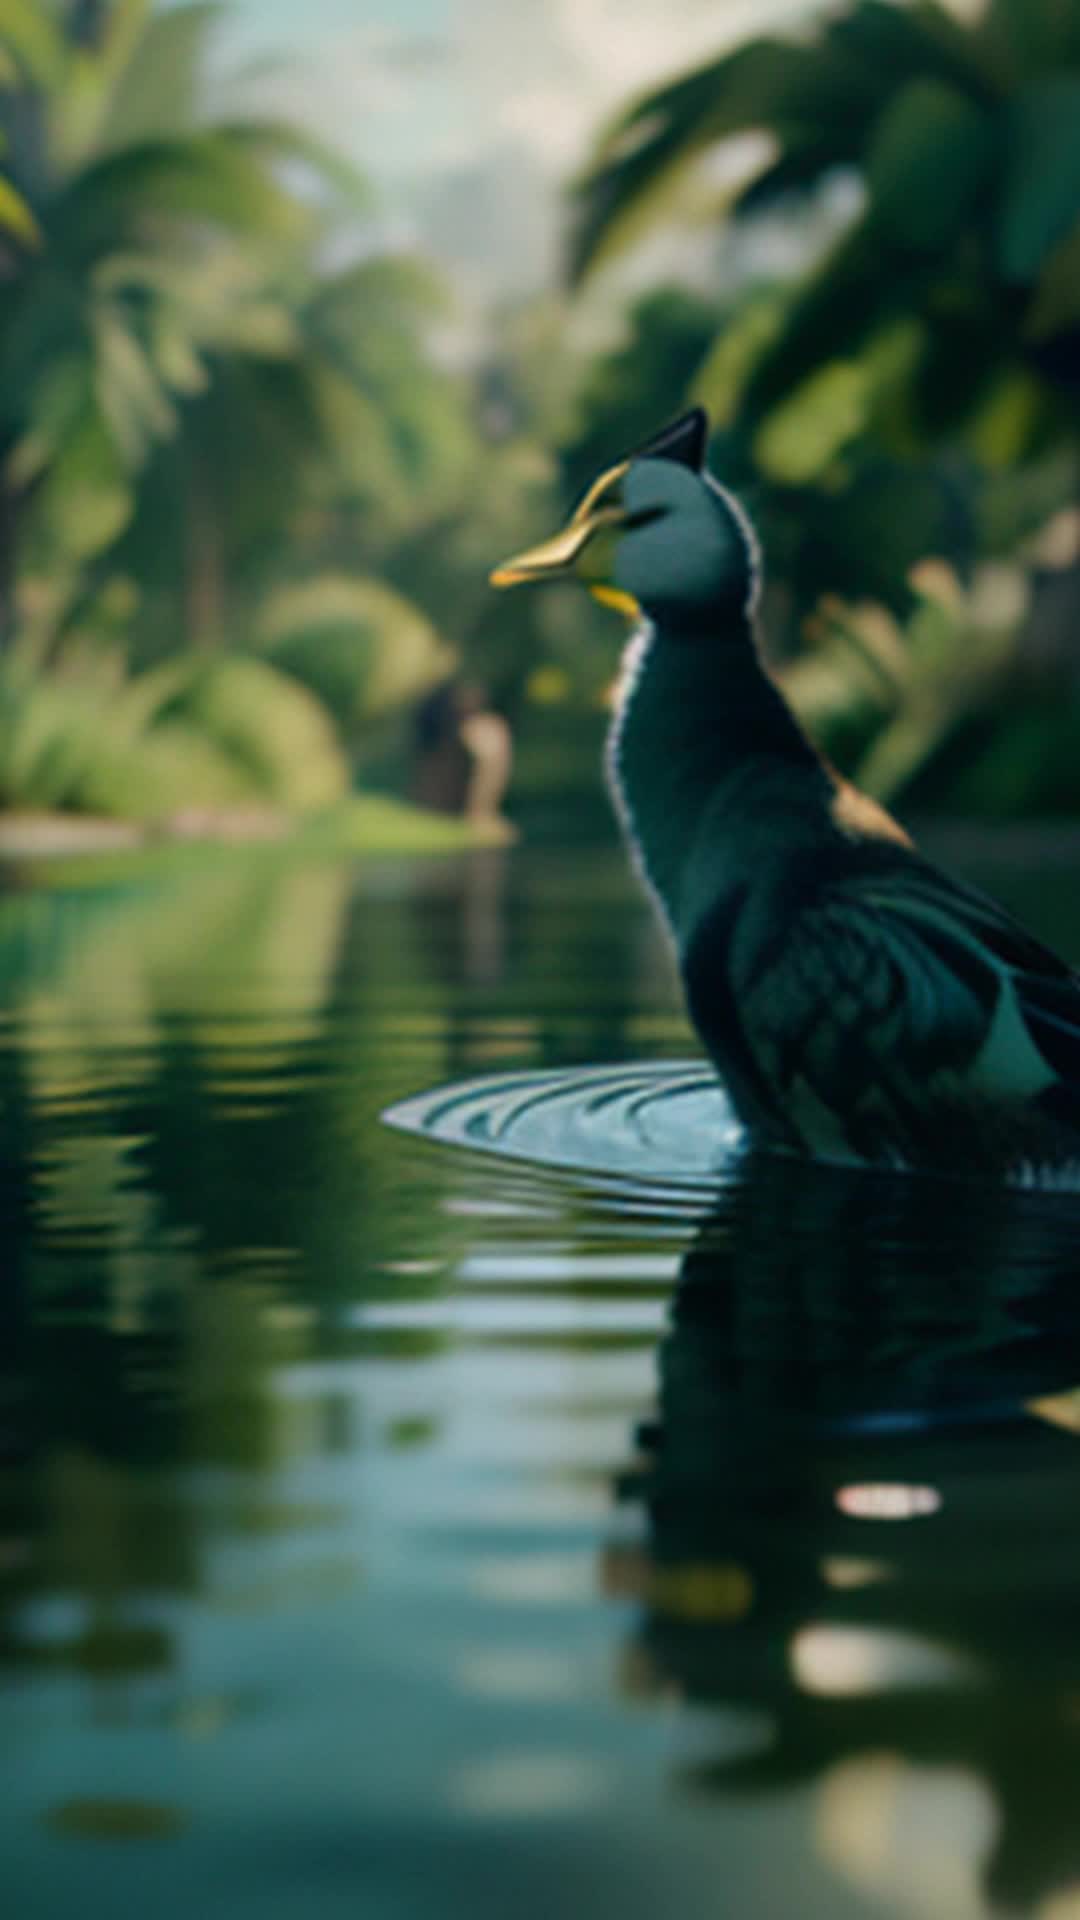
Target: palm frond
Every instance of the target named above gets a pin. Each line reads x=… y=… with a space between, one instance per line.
x=153 y=75
x=34 y=39
x=17 y=220
x=817 y=98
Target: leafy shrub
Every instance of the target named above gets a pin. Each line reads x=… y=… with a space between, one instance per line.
x=363 y=649
x=274 y=735
x=220 y=733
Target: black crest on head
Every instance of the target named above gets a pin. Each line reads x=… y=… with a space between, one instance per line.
x=685 y=441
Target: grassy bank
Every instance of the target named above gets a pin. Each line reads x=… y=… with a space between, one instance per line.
x=63 y=844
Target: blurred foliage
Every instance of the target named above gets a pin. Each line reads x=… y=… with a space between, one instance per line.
x=909 y=390
x=949 y=303
x=254 y=467
x=199 y=732
x=219 y=430
x=884 y=697
x=666 y=338
x=358 y=644
x=966 y=140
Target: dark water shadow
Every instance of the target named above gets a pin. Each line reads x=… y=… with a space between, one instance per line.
x=862 y=1495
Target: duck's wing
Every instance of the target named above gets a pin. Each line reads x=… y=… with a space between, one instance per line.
x=895 y=997
x=907 y=885
x=1031 y=978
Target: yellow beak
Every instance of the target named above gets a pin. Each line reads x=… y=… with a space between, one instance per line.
x=553 y=556
x=557 y=555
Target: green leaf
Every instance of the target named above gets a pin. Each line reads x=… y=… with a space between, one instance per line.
x=932 y=154
x=82 y=113
x=16 y=217
x=159 y=67
x=274 y=141
x=1041 y=192
x=966 y=342
x=819 y=99
x=1024 y=36
x=130 y=394
x=207 y=178
x=855 y=290
x=1009 y=426
x=361 y=647
x=1056 y=306
x=801 y=438
x=34 y=40
x=85 y=499
x=277 y=734
x=58 y=401
x=742 y=92
x=740 y=344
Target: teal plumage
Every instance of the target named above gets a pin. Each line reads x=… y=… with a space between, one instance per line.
x=857 y=1002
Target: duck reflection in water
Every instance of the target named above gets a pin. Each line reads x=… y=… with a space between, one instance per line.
x=862 y=1494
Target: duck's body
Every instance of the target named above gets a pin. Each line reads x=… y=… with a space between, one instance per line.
x=857 y=1003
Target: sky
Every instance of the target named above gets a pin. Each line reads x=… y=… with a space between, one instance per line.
x=472 y=113
x=420 y=84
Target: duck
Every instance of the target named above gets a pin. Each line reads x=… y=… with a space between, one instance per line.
x=858 y=1003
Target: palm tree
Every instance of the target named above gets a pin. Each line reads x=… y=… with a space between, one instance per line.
x=138 y=240
x=951 y=304
x=315 y=448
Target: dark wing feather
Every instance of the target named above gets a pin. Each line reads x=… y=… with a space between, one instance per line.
x=907 y=884
x=899 y=1004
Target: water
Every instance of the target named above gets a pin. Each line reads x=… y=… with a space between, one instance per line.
x=386 y=1526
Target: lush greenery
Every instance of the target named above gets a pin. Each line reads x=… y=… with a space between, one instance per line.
x=912 y=389
x=233 y=478
x=248 y=499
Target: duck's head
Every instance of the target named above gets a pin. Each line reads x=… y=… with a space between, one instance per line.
x=655 y=534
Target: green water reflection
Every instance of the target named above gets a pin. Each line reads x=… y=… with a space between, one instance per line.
x=383 y=1528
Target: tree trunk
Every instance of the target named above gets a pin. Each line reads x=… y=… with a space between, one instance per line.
x=204 y=585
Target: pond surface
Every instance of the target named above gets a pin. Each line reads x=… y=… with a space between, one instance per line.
x=389 y=1530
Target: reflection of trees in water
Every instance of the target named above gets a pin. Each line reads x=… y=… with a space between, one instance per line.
x=567 y=940
x=837 y=1332
x=190 y=1073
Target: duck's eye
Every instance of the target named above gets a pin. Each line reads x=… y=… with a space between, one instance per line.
x=643 y=517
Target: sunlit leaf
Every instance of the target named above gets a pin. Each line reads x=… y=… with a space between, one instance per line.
x=158 y=66
x=360 y=646
x=203 y=178
x=131 y=396
x=803 y=435
x=85 y=498
x=722 y=380
x=1008 y=425
x=16 y=217
x=276 y=732
x=840 y=305
x=34 y=39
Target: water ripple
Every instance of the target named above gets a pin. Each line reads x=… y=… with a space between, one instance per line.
x=662 y=1121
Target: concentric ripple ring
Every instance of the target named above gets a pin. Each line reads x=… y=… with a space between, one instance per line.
x=667 y=1120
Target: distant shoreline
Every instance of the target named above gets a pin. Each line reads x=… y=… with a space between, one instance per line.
x=374 y=823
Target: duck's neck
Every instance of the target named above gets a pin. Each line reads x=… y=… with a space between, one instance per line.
x=699 y=730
